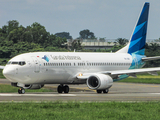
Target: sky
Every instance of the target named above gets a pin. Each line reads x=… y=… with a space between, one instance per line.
x=110 y=19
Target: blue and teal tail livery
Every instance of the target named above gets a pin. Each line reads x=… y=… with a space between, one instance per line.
x=138 y=39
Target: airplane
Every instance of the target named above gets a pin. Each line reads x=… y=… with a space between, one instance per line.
x=97 y=70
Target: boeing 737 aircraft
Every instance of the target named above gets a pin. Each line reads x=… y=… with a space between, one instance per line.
x=97 y=70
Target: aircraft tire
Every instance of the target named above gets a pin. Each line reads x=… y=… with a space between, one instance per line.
x=99 y=91
x=21 y=91
x=66 y=89
x=60 y=89
x=106 y=91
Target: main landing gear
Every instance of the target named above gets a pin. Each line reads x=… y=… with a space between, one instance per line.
x=62 y=88
x=21 y=90
x=104 y=91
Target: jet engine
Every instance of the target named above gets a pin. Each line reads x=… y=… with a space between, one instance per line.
x=34 y=86
x=99 y=82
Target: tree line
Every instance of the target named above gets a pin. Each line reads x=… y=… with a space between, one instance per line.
x=16 y=39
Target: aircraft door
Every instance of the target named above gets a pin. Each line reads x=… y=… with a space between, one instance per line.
x=36 y=64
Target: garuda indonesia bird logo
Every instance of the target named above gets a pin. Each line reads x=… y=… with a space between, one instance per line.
x=45 y=58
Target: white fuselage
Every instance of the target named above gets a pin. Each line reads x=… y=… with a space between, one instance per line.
x=62 y=67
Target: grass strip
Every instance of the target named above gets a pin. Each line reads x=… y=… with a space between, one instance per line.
x=142 y=80
x=80 y=111
x=1 y=75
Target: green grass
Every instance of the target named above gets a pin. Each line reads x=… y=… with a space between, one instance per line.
x=80 y=111
x=1 y=75
x=142 y=80
x=10 y=89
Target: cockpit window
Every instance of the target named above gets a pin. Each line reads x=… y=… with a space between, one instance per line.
x=16 y=63
x=22 y=63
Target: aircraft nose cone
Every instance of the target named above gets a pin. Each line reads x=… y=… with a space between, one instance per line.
x=8 y=72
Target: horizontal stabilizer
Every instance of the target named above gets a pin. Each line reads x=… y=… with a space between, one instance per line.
x=150 y=58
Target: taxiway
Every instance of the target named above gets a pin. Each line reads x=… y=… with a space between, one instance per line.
x=118 y=92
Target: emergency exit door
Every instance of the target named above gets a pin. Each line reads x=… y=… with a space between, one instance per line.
x=36 y=64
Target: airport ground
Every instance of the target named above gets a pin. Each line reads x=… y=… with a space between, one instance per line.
x=125 y=101
x=118 y=92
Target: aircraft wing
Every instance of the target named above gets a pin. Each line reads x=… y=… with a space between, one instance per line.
x=2 y=67
x=129 y=72
x=135 y=71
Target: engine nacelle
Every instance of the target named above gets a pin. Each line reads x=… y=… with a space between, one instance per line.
x=99 y=82
x=34 y=86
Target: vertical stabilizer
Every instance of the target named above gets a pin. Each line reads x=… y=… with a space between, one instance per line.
x=138 y=39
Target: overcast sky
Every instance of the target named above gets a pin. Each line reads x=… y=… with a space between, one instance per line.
x=105 y=18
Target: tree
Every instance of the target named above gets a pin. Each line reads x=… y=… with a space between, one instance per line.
x=76 y=45
x=17 y=35
x=12 y=24
x=64 y=35
x=4 y=31
x=102 y=39
x=60 y=42
x=86 y=34
x=38 y=33
x=152 y=50
x=122 y=41
x=15 y=39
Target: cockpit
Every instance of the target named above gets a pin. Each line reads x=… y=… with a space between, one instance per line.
x=16 y=63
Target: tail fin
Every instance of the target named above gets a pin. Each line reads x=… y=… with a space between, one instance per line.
x=138 y=39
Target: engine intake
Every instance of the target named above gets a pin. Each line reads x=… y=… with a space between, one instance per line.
x=99 y=82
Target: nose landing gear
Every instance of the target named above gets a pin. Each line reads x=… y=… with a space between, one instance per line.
x=21 y=91
x=62 y=88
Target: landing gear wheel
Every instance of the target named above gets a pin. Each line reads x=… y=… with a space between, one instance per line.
x=66 y=89
x=21 y=91
x=106 y=91
x=99 y=91
x=60 y=88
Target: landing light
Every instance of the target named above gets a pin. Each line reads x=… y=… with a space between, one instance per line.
x=80 y=74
